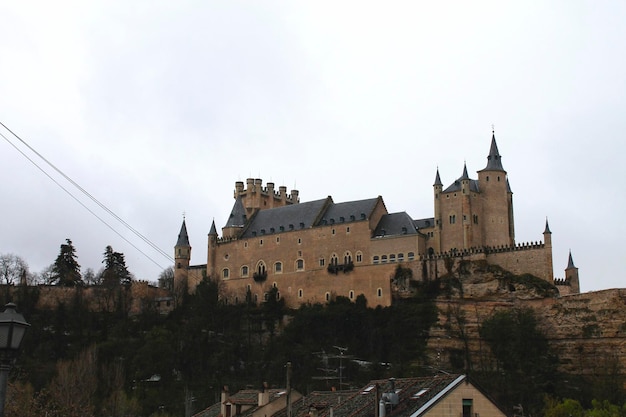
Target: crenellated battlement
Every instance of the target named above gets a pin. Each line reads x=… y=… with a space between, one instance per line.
x=254 y=190
x=562 y=282
x=484 y=250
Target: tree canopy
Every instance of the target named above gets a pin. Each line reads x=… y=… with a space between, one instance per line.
x=115 y=271
x=66 y=270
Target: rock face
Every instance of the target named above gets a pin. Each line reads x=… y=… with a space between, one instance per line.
x=587 y=331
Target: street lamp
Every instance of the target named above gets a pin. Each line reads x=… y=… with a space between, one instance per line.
x=12 y=330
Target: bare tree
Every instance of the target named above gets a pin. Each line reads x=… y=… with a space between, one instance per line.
x=75 y=385
x=46 y=276
x=166 y=278
x=12 y=269
x=91 y=278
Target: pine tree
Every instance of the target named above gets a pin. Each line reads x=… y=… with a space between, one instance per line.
x=115 y=271
x=66 y=270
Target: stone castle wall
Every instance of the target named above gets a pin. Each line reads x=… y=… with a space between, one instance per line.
x=140 y=296
x=524 y=258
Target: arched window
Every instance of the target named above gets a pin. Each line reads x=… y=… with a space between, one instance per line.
x=300 y=265
x=333 y=259
x=300 y=293
x=260 y=268
x=278 y=267
x=392 y=257
x=351 y=294
x=244 y=271
x=347 y=258
x=379 y=292
x=225 y=273
x=383 y=259
x=359 y=257
x=327 y=296
x=375 y=259
x=411 y=256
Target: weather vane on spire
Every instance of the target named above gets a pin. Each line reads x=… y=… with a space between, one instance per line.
x=493 y=128
x=184 y=213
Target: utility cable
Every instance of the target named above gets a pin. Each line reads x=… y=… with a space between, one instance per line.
x=91 y=197
x=101 y=205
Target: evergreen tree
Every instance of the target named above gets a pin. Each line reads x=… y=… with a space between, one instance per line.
x=115 y=271
x=66 y=270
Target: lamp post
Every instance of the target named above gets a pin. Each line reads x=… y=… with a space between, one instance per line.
x=12 y=330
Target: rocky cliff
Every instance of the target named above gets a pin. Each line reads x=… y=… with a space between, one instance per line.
x=587 y=330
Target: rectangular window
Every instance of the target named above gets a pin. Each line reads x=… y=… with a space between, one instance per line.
x=322 y=262
x=467 y=407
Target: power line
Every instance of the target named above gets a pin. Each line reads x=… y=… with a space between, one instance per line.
x=90 y=196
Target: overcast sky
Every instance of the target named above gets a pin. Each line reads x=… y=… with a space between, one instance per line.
x=158 y=107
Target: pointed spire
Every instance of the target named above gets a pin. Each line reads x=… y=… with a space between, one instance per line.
x=437 y=179
x=570 y=261
x=183 y=238
x=464 y=176
x=493 y=160
x=213 y=231
x=547 y=230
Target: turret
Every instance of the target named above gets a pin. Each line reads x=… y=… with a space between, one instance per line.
x=437 y=188
x=465 y=181
x=182 y=257
x=571 y=275
x=547 y=235
x=547 y=239
x=466 y=209
x=497 y=224
x=182 y=250
x=212 y=247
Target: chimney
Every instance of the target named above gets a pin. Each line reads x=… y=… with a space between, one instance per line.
x=223 y=399
x=264 y=395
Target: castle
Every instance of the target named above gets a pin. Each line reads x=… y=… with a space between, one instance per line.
x=317 y=250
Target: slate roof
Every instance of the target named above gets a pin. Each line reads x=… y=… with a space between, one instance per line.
x=437 y=179
x=292 y=217
x=456 y=186
x=183 y=238
x=424 y=223
x=349 y=211
x=570 y=261
x=494 y=160
x=237 y=216
x=213 y=231
x=395 y=224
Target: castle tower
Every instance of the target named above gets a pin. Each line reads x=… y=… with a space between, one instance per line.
x=547 y=239
x=182 y=257
x=437 y=188
x=466 y=209
x=571 y=275
x=212 y=246
x=497 y=201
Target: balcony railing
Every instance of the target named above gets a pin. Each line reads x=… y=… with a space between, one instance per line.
x=336 y=268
